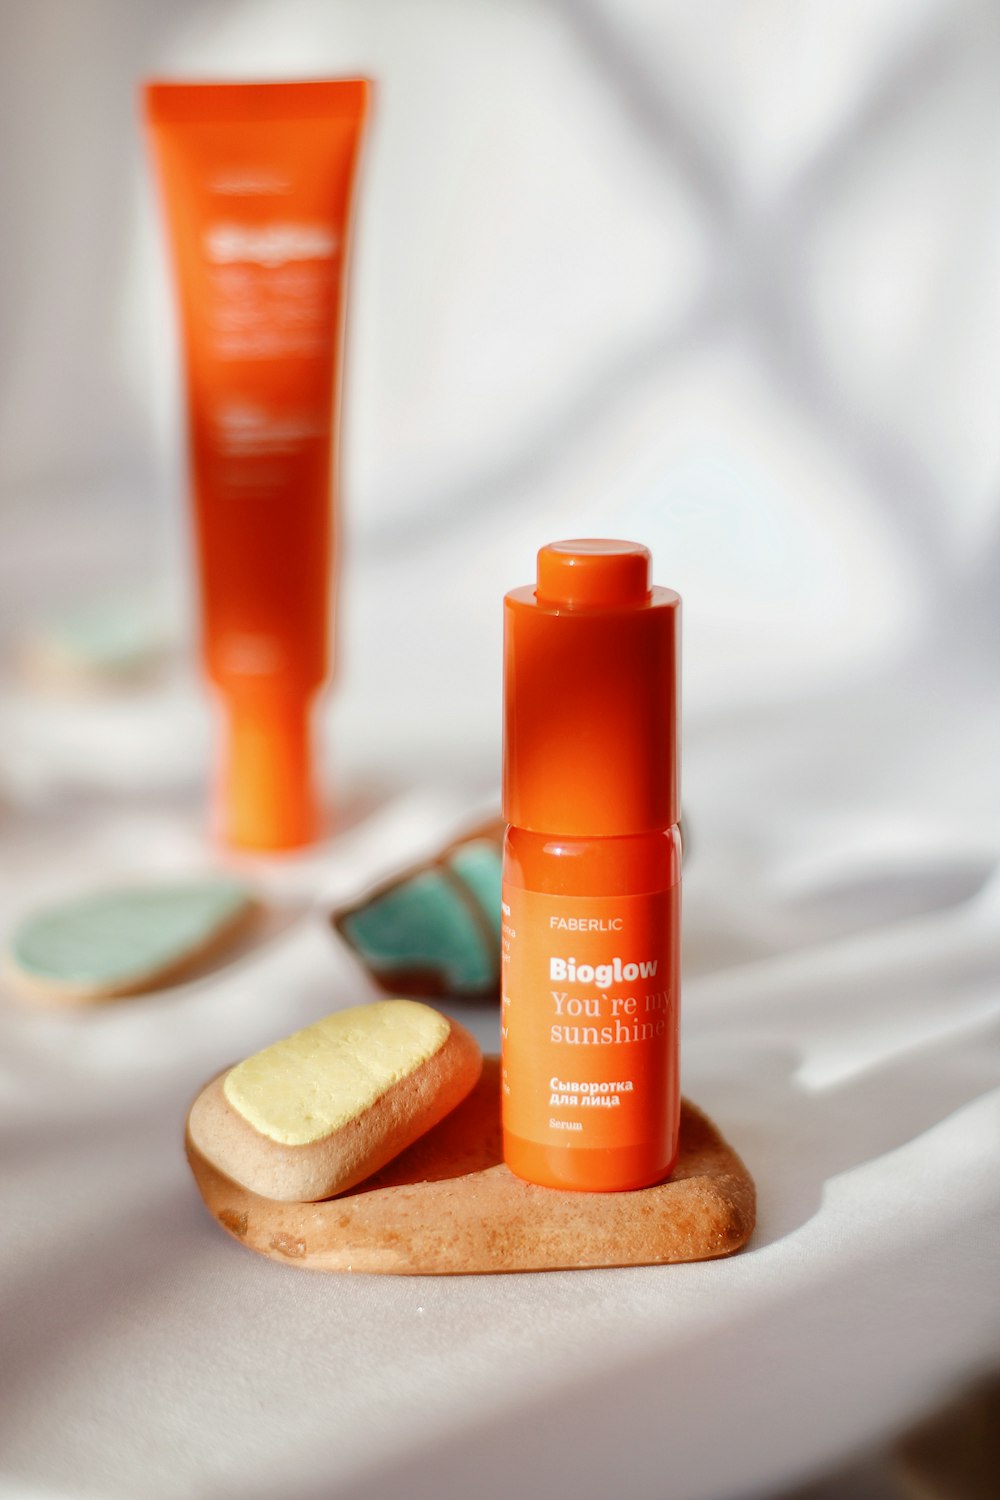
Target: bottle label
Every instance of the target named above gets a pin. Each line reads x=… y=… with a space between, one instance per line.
x=589 y=1018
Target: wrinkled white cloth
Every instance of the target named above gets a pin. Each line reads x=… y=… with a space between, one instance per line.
x=722 y=278
x=841 y=1024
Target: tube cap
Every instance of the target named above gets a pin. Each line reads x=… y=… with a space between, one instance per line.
x=267 y=796
x=591 y=694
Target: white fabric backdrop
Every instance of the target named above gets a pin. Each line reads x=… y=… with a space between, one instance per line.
x=725 y=278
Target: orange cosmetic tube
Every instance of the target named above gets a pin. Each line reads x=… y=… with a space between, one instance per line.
x=591 y=872
x=257 y=182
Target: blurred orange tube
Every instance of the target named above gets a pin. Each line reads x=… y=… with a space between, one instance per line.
x=257 y=183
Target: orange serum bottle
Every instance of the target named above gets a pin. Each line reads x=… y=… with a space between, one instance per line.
x=591 y=871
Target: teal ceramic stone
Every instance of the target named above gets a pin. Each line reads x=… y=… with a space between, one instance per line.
x=120 y=941
x=107 y=635
x=98 y=643
x=424 y=935
x=478 y=863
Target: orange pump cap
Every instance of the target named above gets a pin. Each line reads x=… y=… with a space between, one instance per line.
x=590 y=572
x=267 y=791
x=591 y=694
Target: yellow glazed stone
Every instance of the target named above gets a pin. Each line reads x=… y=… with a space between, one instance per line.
x=314 y=1082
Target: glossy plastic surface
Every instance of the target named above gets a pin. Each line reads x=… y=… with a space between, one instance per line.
x=257 y=185
x=591 y=694
x=631 y=866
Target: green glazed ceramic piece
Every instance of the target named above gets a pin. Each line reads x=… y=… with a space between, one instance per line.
x=104 y=643
x=425 y=935
x=107 y=636
x=478 y=864
x=119 y=942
